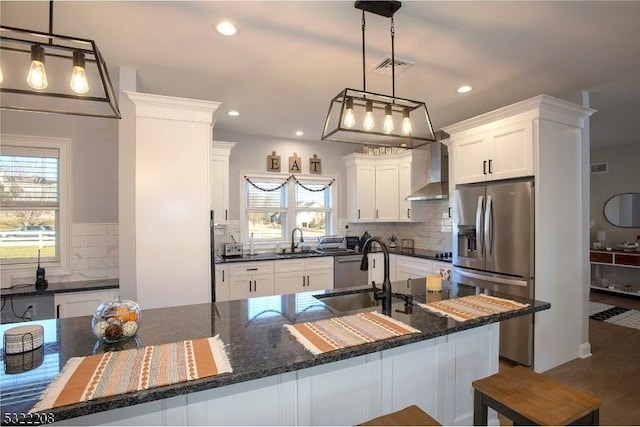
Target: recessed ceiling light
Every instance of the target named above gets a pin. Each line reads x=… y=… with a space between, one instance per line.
x=233 y=113
x=226 y=28
x=299 y=133
x=464 y=89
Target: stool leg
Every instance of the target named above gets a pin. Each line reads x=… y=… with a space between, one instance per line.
x=480 y=409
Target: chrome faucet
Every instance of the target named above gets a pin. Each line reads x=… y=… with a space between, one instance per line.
x=293 y=245
x=385 y=295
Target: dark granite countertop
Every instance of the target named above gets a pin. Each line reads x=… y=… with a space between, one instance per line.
x=257 y=344
x=59 y=288
x=269 y=256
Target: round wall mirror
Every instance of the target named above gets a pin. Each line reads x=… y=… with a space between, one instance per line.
x=623 y=210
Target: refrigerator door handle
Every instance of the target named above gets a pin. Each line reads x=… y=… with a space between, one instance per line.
x=501 y=280
x=488 y=227
x=479 y=233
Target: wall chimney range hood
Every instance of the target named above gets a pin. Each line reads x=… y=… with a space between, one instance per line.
x=438 y=186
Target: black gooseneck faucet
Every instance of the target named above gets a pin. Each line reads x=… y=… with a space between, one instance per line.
x=386 y=294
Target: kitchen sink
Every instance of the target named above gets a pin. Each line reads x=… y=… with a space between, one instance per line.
x=353 y=300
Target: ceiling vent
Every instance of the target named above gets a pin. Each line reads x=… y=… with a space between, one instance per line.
x=600 y=168
x=384 y=67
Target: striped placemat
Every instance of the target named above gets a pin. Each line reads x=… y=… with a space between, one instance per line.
x=119 y=372
x=326 y=335
x=472 y=307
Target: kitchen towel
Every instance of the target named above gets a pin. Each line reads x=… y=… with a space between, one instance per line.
x=126 y=371
x=472 y=307
x=326 y=335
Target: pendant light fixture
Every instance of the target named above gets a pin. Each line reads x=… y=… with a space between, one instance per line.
x=61 y=84
x=361 y=117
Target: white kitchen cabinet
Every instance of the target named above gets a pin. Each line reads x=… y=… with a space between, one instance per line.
x=503 y=151
x=411 y=268
x=251 y=279
x=222 y=282
x=303 y=274
x=442 y=268
x=376 y=267
x=378 y=186
x=220 y=152
x=361 y=191
x=75 y=304
x=387 y=191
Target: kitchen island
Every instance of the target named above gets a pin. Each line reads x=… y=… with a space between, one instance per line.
x=275 y=380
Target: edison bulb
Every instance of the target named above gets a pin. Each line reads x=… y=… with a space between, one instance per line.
x=406 y=123
x=79 y=82
x=388 y=127
x=37 y=77
x=349 y=120
x=369 y=123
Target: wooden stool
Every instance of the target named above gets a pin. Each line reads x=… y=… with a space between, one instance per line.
x=529 y=398
x=409 y=416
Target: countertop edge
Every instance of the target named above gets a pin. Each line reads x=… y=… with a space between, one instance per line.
x=145 y=396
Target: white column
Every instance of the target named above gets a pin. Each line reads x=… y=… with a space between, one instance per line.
x=165 y=196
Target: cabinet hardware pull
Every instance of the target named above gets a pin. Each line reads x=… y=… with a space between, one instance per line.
x=374 y=263
x=252 y=269
x=449 y=211
x=255 y=287
x=303 y=281
x=58 y=311
x=249 y=285
x=358 y=213
x=484 y=167
x=490 y=171
x=376 y=213
x=308 y=281
x=223 y=275
x=226 y=214
x=409 y=213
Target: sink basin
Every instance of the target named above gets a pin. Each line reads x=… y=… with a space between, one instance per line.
x=352 y=301
x=297 y=254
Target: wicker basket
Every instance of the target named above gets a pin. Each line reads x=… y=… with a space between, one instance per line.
x=23 y=338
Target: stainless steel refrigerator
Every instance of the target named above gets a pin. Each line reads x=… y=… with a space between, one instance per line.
x=493 y=249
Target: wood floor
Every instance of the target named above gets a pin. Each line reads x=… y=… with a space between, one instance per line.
x=613 y=371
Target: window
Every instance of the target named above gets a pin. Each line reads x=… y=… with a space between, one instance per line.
x=275 y=205
x=32 y=205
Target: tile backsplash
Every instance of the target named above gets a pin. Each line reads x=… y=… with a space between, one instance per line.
x=94 y=252
x=434 y=233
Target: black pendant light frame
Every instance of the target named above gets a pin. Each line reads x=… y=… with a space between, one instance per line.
x=334 y=128
x=21 y=40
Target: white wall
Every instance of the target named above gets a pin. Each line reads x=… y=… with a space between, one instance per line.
x=94 y=159
x=623 y=177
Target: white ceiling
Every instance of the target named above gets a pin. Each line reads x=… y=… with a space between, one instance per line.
x=290 y=58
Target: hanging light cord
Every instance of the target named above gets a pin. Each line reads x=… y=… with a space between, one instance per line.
x=393 y=60
x=364 y=73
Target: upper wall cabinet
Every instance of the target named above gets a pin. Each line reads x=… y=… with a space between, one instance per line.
x=377 y=186
x=220 y=153
x=501 y=152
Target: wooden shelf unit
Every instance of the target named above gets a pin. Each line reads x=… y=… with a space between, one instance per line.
x=617 y=259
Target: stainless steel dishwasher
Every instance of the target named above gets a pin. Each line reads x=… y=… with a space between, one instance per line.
x=346 y=271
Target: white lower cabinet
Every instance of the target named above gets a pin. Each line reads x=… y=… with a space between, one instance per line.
x=376 y=267
x=222 y=282
x=251 y=279
x=412 y=268
x=81 y=303
x=356 y=389
x=302 y=275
